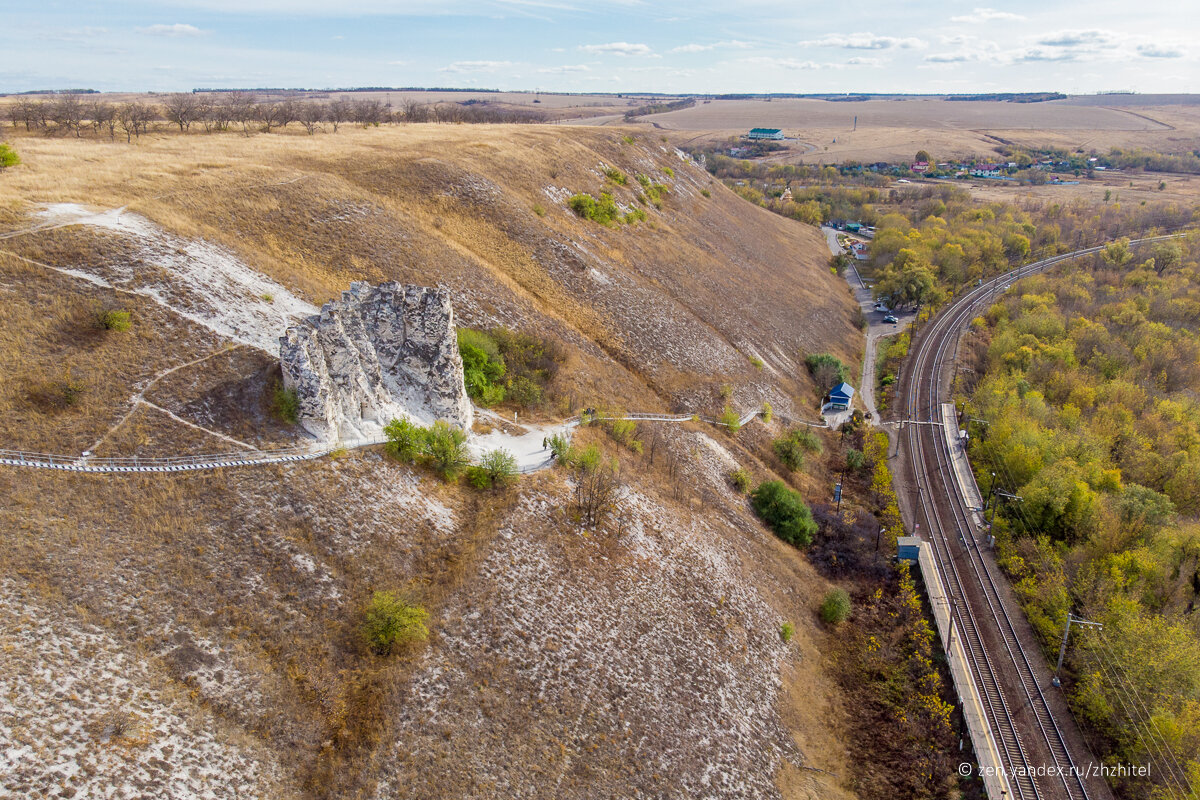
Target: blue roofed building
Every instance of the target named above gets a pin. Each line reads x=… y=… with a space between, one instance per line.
x=840 y=397
x=765 y=133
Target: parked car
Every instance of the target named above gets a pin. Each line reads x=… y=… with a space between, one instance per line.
x=880 y=307
x=891 y=318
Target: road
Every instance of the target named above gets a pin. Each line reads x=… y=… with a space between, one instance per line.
x=1028 y=717
x=876 y=327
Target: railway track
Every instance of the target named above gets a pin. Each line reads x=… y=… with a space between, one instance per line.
x=979 y=607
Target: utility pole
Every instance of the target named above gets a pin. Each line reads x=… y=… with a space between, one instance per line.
x=996 y=494
x=1062 y=650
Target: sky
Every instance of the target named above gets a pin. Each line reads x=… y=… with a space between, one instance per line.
x=703 y=46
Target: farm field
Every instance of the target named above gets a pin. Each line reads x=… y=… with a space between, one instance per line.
x=894 y=129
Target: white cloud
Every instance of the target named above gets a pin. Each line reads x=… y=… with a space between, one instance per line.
x=1091 y=38
x=861 y=61
x=176 y=31
x=397 y=63
x=459 y=67
x=617 y=49
x=734 y=44
x=863 y=41
x=565 y=69
x=1158 y=51
x=987 y=15
x=952 y=58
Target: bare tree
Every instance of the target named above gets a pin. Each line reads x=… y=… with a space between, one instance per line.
x=181 y=109
x=66 y=112
x=311 y=115
x=104 y=117
x=369 y=112
x=241 y=108
x=337 y=112
x=288 y=111
x=597 y=490
x=135 y=118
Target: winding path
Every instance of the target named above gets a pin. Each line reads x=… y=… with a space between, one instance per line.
x=531 y=459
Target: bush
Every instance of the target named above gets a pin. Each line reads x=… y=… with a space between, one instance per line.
x=603 y=210
x=524 y=392
x=58 y=395
x=730 y=419
x=786 y=631
x=835 y=609
x=622 y=430
x=670 y=173
x=784 y=512
x=115 y=320
x=855 y=460
x=8 y=157
x=741 y=480
x=500 y=467
x=827 y=371
x=757 y=362
x=560 y=446
x=807 y=439
x=705 y=193
x=390 y=620
x=285 y=404
x=483 y=367
x=790 y=452
x=405 y=439
x=446 y=447
x=616 y=176
x=539 y=209
x=586 y=459
x=767 y=411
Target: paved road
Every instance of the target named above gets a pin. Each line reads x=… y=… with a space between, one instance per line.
x=876 y=327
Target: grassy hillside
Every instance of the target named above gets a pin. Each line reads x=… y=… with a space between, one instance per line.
x=201 y=631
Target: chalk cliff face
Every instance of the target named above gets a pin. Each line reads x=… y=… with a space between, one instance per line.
x=377 y=354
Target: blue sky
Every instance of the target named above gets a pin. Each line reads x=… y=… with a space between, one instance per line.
x=604 y=45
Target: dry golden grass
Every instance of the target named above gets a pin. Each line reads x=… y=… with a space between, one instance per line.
x=452 y=205
x=246 y=585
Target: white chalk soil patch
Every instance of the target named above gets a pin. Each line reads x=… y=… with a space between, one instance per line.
x=81 y=716
x=579 y=671
x=198 y=280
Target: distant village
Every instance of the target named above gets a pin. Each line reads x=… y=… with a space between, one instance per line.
x=1039 y=168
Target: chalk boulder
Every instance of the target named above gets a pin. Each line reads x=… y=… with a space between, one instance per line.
x=377 y=354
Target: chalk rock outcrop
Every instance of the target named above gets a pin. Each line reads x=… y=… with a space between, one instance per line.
x=377 y=354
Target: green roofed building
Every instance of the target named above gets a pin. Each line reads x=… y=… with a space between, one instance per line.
x=765 y=133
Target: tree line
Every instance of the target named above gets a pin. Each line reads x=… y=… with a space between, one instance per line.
x=76 y=115
x=1088 y=379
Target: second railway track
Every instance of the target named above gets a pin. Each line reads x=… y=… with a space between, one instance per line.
x=1005 y=675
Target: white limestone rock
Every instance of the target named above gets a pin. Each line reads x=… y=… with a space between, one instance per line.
x=378 y=354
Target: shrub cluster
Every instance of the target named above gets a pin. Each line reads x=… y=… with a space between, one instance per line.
x=496 y=469
x=8 y=157
x=442 y=445
x=114 y=320
x=835 y=609
x=792 y=447
x=285 y=404
x=827 y=371
x=652 y=192
x=784 y=512
x=390 y=620
x=507 y=365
